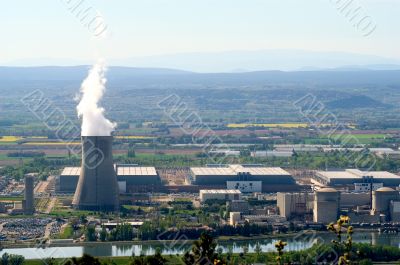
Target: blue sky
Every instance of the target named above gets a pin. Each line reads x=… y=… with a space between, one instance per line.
x=47 y=29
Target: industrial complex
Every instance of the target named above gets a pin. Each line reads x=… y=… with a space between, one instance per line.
x=101 y=185
x=352 y=176
x=326 y=204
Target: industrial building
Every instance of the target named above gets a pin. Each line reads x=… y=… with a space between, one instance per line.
x=68 y=179
x=294 y=204
x=226 y=195
x=245 y=186
x=382 y=200
x=28 y=204
x=245 y=177
x=326 y=204
x=234 y=218
x=131 y=178
x=241 y=206
x=352 y=176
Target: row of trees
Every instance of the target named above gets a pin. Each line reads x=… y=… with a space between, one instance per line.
x=122 y=232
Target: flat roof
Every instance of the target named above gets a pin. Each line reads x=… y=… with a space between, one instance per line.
x=355 y=173
x=122 y=171
x=235 y=169
x=135 y=223
x=136 y=171
x=212 y=171
x=71 y=171
x=221 y=191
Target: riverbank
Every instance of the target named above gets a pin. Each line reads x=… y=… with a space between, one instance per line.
x=180 y=242
x=221 y=239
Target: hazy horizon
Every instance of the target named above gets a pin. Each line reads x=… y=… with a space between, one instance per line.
x=124 y=33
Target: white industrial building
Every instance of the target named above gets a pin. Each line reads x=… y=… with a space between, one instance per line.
x=351 y=176
x=220 y=174
x=129 y=177
x=272 y=153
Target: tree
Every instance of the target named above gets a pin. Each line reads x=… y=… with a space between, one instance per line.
x=202 y=252
x=258 y=252
x=343 y=223
x=90 y=233
x=131 y=152
x=84 y=260
x=10 y=259
x=103 y=234
x=280 y=245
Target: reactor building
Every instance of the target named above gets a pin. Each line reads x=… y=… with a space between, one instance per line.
x=383 y=200
x=326 y=204
x=97 y=187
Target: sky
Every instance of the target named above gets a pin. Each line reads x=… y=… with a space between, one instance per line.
x=49 y=29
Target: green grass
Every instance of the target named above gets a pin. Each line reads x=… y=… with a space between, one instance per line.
x=346 y=138
x=68 y=232
x=70 y=213
x=9 y=198
x=5 y=157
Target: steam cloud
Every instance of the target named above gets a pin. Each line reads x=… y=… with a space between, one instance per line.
x=92 y=89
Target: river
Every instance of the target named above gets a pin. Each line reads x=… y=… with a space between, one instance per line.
x=296 y=242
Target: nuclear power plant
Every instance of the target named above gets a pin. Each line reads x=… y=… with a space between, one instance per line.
x=327 y=204
x=97 y=188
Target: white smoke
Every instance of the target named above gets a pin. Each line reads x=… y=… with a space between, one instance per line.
x=92 y=89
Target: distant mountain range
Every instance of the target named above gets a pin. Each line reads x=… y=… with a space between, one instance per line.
x=140 y=77
x=356 y=101
x=241 y=61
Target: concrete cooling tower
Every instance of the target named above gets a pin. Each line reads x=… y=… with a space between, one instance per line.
x=97 y=188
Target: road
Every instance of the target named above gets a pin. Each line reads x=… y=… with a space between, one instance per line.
x=51 y=205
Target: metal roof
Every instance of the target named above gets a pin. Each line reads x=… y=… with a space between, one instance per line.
x=220 y=191
x=136 y=171
x=355 y=173
x=122 y=171
x=212 y=171
x=71 y=171
x=233 y=170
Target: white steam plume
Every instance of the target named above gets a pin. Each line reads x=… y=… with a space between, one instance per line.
x=92 y=89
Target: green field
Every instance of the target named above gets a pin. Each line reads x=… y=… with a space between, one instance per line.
x=11 y=198
x=348 y=139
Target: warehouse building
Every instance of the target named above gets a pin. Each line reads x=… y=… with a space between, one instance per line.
x=224 y=195
x=131 y=178
x=352 y=176
x=248 y=177
x=68 y=180
x=134 y=178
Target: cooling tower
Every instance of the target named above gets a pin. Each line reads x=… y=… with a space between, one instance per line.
x=97 y=188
